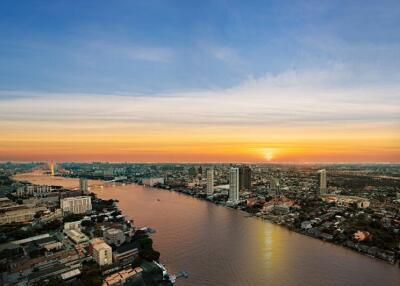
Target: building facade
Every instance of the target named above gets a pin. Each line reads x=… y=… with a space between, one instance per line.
x=234 y=185
x=322 y=181
x=210 y=182
x=102 y=253
x=83 y=186
x=114 y=236
x=76 y=205
x=244 y=178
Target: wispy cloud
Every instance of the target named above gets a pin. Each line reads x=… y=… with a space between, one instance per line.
x=300 y=97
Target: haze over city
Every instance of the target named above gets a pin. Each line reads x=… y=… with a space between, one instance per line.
x=207 y=81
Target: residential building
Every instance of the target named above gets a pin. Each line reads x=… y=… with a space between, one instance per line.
x=233 y=185
x=210 y=182
x=76 y=205
x=244 y=178
x=22 y=214
x=83 y=186
x=322 y=181
x=114 y=236
x=33 y=190
x=102 y=253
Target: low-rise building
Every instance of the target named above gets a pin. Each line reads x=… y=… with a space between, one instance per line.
x=114 y=236
x=23 y=214
x=76 y=236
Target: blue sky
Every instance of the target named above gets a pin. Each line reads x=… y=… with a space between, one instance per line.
x=153 y=47
x=200 y=80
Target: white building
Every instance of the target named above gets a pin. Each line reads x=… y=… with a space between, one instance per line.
x=322 y=181
x=102 y=253
x=210 y=182
x=234 y=185
x=76 y=205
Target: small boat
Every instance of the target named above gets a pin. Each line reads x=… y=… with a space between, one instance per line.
x=158 y=199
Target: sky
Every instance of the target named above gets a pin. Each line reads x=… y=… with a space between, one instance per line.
x=200 y=81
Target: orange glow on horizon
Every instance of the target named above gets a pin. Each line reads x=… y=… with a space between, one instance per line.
x=204 y=144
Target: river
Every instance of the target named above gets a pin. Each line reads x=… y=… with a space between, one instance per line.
x=221 y=246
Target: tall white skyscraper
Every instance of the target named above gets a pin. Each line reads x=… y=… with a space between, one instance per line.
x=210 y=182
x=234 y=185
x=322 y=181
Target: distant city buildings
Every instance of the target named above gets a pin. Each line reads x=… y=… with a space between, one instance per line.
x=234 y=185
x=83 y=186
x=210 y=182
x=244 y=178
x=76 y=205
x=322 y=181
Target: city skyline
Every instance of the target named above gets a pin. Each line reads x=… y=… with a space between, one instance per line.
x=310 y=82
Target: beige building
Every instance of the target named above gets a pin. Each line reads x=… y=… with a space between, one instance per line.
x=76 y=205
x=102 y=253
x=20 y=215
x=31 y=190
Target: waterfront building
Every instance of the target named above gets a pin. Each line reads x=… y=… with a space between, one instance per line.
x=76 y=205
x=244 y=178
x=102 y=253
x=322 y=181
x=234 y=185
x=114 y=236
x=33 y=190
x=151 y=182
x=83 y=186
x=210 y=182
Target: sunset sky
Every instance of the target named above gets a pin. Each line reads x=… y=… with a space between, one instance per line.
x=200 y=81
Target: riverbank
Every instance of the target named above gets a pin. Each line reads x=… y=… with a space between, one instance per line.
x=375 y=252
x=220 y=246
x=390 y=257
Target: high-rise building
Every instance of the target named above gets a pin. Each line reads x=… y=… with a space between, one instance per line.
x=234 y=185
x=244 y=178
x=322 y=181
x=275 y=186
x=83 y=185
x=210 y=182
x=76 y=205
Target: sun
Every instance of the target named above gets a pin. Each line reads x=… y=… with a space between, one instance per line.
x=269 y=153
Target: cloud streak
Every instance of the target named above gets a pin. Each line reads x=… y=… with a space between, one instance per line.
x=306 y=97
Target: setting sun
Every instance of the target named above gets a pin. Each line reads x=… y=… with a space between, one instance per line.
x=269 y=154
